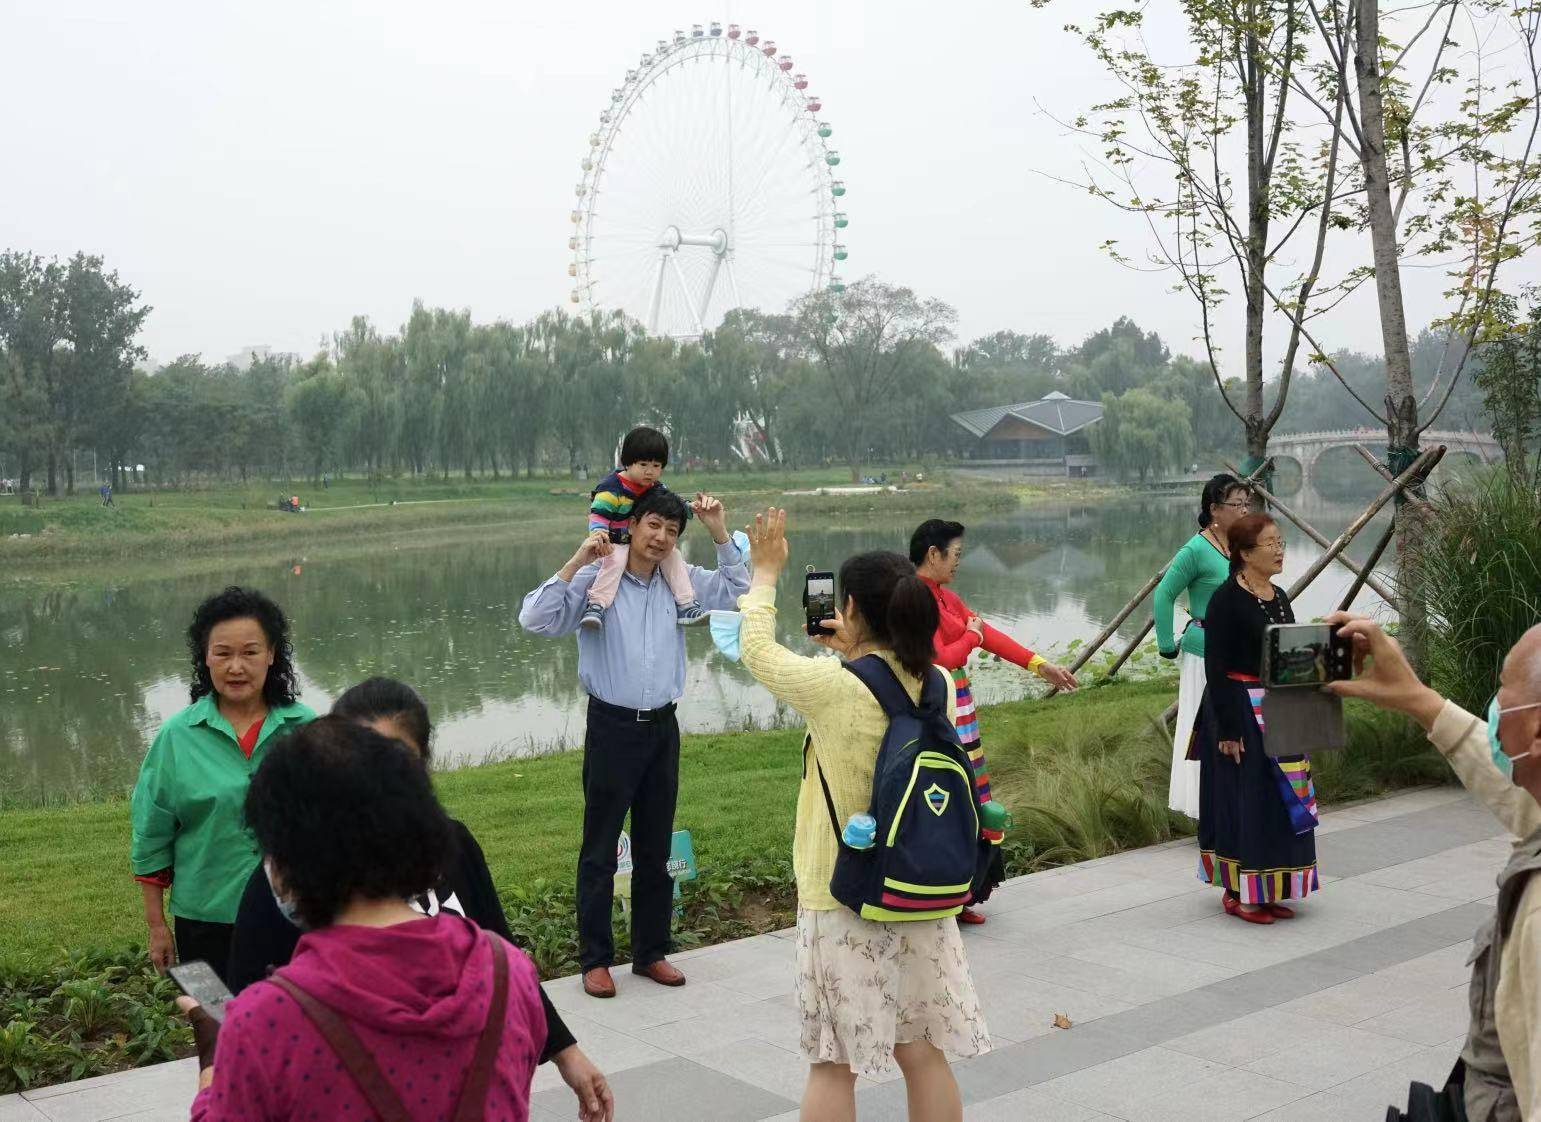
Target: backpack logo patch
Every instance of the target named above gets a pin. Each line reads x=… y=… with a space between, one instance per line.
x=937 y=799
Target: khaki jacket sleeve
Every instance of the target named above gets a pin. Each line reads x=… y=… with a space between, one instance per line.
x=1462 y=740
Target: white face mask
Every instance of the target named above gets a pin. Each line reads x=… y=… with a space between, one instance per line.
x=285 y=906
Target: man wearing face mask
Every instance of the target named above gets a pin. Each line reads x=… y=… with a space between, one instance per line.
x=1499 y=761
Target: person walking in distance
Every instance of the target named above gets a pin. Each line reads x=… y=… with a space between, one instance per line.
x=633 y=670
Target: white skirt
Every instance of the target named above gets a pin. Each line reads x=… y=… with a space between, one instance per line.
x=1183 y=793
x=863 y=987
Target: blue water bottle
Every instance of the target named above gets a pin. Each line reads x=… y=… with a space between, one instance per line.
x=860 y=831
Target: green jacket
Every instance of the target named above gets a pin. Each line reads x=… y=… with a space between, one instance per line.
x=187 y=803
x=1198 y=569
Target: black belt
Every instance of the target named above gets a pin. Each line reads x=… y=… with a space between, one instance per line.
x=641 y=716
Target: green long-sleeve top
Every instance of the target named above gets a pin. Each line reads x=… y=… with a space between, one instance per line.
x=1198 y=569
x=186 y=808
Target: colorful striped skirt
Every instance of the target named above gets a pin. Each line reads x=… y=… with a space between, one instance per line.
x=1256 y=818
x=968 y=734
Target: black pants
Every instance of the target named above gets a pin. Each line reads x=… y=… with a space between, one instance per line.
x=200 y=940
x=627 y=765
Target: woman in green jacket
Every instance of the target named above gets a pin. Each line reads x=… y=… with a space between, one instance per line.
x=1200 y=566
x=188 y=835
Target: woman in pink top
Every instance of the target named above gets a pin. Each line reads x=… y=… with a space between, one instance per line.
x=383 y=1013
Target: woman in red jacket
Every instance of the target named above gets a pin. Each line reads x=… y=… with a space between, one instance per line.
x=936 y=547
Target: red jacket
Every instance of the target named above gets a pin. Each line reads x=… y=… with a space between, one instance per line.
x=955 y=642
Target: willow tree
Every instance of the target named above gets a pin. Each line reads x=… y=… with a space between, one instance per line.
x=1208 y=151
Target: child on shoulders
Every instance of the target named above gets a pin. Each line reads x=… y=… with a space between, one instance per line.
x=644 y=455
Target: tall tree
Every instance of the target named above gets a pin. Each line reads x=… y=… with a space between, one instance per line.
x=861 y=339
x=1169 y=140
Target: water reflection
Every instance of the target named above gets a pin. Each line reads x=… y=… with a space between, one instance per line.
x=87 y=673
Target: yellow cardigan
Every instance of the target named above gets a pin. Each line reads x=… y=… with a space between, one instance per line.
x=846 y=726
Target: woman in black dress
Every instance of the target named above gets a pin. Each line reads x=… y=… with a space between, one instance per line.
x=264 y=939
x=1257 y=815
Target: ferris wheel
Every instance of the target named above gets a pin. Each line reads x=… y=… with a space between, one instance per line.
x=708 y=185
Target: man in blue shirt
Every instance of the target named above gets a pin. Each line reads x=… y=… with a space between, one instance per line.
x=633 y=671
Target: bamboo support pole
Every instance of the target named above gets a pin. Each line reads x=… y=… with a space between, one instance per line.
x=1369 y=458
x=1362 y=576
x=1380 y=548
x=1139 y=598
x=1409 y=478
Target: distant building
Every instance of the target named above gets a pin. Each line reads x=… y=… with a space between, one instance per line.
x=1047 y=436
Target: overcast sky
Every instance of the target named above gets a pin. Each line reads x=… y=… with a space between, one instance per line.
x=263 y=172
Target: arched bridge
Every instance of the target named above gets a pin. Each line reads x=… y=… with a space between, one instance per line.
x=1305 y=448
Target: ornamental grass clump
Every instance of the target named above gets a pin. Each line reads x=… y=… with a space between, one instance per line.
x=1479 y=574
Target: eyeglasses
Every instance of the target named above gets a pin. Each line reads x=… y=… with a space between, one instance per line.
x=1280 y=545
x=1235 y=506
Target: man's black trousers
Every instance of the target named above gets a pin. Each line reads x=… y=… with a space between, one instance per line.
x=627 y=765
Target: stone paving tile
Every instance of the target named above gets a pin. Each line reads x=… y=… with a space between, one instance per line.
x=1348 y=1003
x=1368 y=1095
x=1225 y=1096
x=1430 y=1020
x=1016 y=1066
x=761 y=1065
x=1247 y=1038
x=1333 y=1054
x=1130 y=1086
x=1018 y=1008
x=14 y=1108
x=681 y=1091
x=1031 y=1103
x=1180 y=1015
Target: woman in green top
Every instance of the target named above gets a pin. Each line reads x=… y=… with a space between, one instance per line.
x=1200 y=566
x=186 y=808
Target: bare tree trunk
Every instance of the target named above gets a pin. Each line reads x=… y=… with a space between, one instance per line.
x=1257 y=250
x=1401 y=402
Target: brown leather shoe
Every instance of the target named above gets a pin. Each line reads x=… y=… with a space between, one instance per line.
x=598 y=983
x=661 y=972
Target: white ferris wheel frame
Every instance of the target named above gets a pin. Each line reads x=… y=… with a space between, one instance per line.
x=725 y=49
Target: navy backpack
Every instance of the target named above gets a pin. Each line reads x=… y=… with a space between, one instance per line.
x=929 y=857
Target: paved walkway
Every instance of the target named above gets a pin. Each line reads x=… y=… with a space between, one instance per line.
x=1179 y=1011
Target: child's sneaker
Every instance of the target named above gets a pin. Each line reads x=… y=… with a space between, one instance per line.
x=593 y=618
x=691 y=614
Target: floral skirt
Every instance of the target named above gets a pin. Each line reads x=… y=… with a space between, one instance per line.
x=863 y=987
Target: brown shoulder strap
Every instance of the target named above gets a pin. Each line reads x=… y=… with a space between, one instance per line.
x=350 y=1050
x=473 y=1096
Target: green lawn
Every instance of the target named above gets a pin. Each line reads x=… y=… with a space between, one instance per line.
x=1085 y=775
x=67 y=875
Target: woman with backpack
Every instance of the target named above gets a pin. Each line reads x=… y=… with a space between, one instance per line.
x=869 y=992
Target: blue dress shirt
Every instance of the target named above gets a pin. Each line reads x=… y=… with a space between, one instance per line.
x=638 y=660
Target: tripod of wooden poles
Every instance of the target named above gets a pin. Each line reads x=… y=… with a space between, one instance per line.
x=1415 y=475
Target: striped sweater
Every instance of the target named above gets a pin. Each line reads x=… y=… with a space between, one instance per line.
x=611 y=502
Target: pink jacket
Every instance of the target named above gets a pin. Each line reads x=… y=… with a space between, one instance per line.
x=417 y=995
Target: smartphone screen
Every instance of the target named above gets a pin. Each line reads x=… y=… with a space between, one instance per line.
x=819 y=593
x=1303 y=654
x=199 y=982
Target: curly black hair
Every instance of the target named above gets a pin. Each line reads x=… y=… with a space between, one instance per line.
x=344 y=813
x=282 y=684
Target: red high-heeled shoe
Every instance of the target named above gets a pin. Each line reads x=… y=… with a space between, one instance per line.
x=1281 y=911
x=969 y=915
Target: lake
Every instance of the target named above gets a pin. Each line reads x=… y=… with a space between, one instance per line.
x=89 y=669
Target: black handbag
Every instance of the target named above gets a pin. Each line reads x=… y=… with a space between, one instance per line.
x=1424 y=1104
